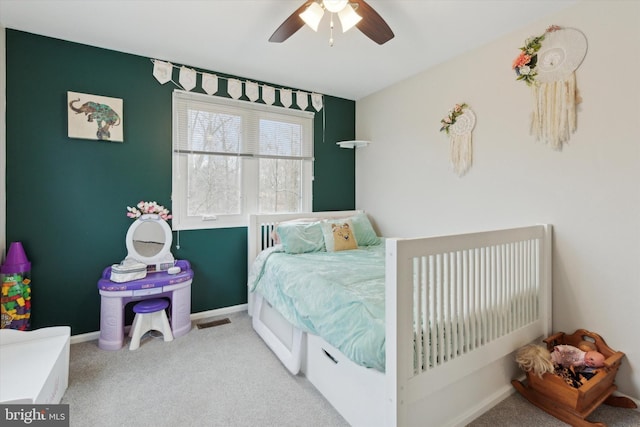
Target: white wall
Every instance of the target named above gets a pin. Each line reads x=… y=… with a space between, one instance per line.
x=589 y=191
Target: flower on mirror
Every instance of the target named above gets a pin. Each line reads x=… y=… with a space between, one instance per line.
x=143 y=208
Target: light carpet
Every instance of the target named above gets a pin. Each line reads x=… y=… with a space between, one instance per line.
x=220 y=376
x=226 y=376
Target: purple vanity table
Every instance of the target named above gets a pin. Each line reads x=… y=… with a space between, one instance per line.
x=114 y=297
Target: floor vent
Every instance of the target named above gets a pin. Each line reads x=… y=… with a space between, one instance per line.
x=213 y=323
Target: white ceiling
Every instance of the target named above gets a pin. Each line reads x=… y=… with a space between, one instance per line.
x=231 y=36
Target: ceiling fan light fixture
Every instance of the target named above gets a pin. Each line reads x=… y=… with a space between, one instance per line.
x=312 y=16
x=351 y=13
x=335 y=6
x=348 y=18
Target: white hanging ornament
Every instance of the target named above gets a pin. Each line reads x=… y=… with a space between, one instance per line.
x=162 y=71
x=561 y=53
x=316 y=101
x=234 y=87
x=286 y=97
x=459 y=124
x=302 y=99
x=460 y=134
x=209 y=83
x=549 y=63
x=268 y=95
x=251 y=90
x=187 y=78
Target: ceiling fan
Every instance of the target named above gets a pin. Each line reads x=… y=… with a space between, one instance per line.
x=350 y=12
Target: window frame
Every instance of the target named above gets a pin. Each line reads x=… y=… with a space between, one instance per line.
x=249 y=186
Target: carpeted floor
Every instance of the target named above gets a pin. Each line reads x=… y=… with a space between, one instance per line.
x=226 y=376
x=220 y=376
x=517 y=411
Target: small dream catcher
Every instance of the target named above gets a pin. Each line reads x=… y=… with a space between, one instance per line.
x=547 y=64
x=458 y=124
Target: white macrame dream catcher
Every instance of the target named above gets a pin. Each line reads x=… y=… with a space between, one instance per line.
x=459 y=124
x=547 y=64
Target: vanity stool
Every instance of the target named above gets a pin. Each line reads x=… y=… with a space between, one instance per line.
x=150 y=315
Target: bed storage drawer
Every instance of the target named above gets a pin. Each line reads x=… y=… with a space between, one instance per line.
x=355 y=391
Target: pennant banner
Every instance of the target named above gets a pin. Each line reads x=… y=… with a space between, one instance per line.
x=162 y=71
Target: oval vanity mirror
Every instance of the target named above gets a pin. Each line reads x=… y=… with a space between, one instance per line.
x=149 y=241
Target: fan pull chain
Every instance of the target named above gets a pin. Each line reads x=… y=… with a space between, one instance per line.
x=331 y=29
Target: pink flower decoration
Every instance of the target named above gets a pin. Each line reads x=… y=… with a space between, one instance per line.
x=522 y=59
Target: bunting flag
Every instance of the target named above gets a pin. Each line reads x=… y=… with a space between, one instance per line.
x=268 y=95
x=316 y=101
x=302 y=99
x=209 y=83
x=286 y=97
x=162 y=71
x=187 y=78
x=251 y=90
x=187 y=81
x=234 y=88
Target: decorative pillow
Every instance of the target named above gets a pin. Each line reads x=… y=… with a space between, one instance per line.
x=338 y=235
x=363 y=230
x=298 y=238
x=274 y=233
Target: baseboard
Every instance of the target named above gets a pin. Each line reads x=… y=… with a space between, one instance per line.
x=483 y=406
x=90 y=336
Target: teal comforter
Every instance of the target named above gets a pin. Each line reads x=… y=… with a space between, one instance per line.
x=338 y=296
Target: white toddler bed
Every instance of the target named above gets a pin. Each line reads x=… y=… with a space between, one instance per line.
x=34 y=365
x=456 y=307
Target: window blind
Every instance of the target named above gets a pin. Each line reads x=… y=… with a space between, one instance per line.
x=222 y=126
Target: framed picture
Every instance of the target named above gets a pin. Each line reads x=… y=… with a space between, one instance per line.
x=95 y=117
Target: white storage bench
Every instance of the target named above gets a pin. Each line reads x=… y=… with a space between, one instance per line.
x=35 y=365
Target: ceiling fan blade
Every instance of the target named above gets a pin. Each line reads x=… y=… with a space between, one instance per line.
x=372 y=25
x=290 y=25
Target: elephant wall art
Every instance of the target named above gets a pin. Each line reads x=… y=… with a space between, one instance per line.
x=95 y=117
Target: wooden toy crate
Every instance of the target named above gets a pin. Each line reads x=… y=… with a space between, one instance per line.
x=569 y=404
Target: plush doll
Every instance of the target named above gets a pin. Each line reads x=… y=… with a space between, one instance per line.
x=537 y=359
x=562 y=362
x=569 y=356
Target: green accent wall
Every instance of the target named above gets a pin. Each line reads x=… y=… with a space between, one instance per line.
x=67 y=198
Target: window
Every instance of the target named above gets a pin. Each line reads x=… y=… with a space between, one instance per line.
x=232 y=158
